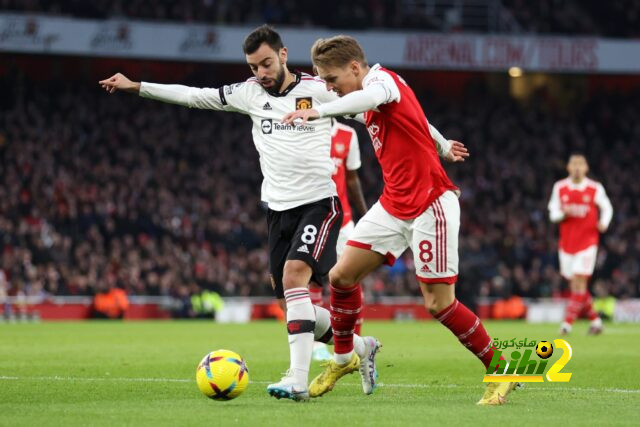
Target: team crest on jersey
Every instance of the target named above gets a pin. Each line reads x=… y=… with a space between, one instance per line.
x=305 y=103
x=340 y=148
x=586 y=199
x=565 y=198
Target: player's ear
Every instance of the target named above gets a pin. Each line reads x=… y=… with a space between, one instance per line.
x=283 y=55
x=355 y=67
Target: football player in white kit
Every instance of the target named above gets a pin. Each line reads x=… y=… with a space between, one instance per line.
x=304 y=213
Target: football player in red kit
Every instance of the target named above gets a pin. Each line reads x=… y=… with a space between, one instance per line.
x=581 y=207
x=418 y=208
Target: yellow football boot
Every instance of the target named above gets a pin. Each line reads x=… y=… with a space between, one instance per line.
x=496 y=393
x=325 y=382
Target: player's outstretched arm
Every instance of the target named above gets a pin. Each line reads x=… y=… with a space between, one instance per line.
x=355 y=102
x=192 y=97
x=119 y=82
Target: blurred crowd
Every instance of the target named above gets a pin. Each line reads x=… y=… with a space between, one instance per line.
x=617 y=18
x=104 y=191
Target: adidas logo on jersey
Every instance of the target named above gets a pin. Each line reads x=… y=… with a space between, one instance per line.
x=266 y=106
x=425 y=269
x=304 y=249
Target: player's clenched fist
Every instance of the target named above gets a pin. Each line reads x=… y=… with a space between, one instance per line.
x=119 y=82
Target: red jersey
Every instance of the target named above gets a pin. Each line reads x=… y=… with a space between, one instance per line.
x=579 y=225
x=411 y=170
x=345 y=154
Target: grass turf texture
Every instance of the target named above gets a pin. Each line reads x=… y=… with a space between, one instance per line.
x=143 y=373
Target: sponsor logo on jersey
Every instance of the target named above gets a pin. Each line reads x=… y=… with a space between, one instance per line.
x=303 y=249
x=373 y=129
x=266 y=106
x=304 y=103
x=267 y=126
x=229 y=89
x=377 y=144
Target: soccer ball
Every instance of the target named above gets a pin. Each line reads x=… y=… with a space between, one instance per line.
x=222 y=375
x=544 y=349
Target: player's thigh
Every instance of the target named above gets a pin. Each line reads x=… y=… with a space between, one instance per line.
x=315 y=238
x=378 y=238
x=278 y=250
x=434 y=241
x=354 y=264
x=343 y=237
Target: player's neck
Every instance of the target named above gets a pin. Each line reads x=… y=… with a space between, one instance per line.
x=577 y=180
x=365 y=71
x=289 y=78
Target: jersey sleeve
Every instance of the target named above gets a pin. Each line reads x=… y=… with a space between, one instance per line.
x=226 y=98
x=442 y=144
x=555 y=207
x=326 y=96
x=604 y=204
x=378 y=78
x=353 y=158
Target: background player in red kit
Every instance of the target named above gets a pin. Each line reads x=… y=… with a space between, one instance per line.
x=418 y=208
x=574 y=204
x=345 y=153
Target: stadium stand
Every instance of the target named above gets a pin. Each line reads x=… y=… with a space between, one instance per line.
x=611 y=19
x=162 y=200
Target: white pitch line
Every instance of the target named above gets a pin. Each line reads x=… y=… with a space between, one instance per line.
x=422 y=386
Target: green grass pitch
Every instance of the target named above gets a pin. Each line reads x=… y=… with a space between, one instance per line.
x=143 y=373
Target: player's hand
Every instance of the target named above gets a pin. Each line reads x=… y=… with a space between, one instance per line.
x=602 y=228
x=457 y=153
x=305 y=115
x=119 y=82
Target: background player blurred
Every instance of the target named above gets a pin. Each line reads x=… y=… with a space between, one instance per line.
x=345 y=153
x=418 y=208
x=574 y=204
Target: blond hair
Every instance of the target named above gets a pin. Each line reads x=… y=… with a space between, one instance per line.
x=337 y=51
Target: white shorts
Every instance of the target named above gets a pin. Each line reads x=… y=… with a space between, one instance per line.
x=345 y=233
x=432 y=237
x=579 y=264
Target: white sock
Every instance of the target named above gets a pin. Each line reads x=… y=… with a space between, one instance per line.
x=358 y=345
x=342 y=359
x=300 y=325
x=323 y=324
x=597 y=322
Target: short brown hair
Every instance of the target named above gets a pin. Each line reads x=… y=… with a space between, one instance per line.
x=337 y=51
x=263 y=34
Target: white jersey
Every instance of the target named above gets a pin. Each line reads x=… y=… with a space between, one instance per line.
x=295 y=160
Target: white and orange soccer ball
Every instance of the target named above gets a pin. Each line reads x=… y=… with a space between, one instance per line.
x=222 y=375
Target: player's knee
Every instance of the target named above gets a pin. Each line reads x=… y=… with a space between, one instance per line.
x=436 y=302
x=296 y=274
x=340 y=277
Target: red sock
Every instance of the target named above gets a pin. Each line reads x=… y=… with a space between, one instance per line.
x=574 y=307
x=316 y=295
x=358 y=327
x=346 y=305
x=587 y=307
x=467 y=327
